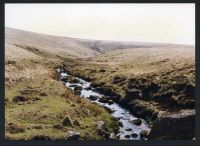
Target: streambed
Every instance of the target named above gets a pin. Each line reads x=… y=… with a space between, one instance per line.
x=127 y=130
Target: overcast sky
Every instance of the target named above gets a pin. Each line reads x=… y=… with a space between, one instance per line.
x=168 y=23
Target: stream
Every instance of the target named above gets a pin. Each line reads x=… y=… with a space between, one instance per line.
x=128 y=130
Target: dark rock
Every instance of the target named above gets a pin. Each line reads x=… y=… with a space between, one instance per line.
x=102 y=70
x=19 y=99
x=65 y=79
x=57 y=126
x=15 y=128
x=73 y=135
x=11 y=62
x=73 y=85
x=144 y=134
x=104 y=99
x=73 y=80
x=105 y=90
x=137 y=122
x=77 y=123
x=134 y=135
x=149 y=90
x=132 y=94
x=185 y=101
x=110 y=102
x=67 y=121
x=77 y=92
x=180 y=125
x=109 y=109
x=88 y=88
x=120 y=124
x=127 y=136
x=93 y=97
x=103 y=133
x=128 y=129
x=77 y=88
x=189 y=90
x=43 y=94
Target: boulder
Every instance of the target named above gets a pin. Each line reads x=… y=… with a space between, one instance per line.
x=179 y=125
x=143 y=134
x=127 y=136
x=77 y=92
x=120 y=124
x=110 y=102
x=93 y=97
x=77 y=123
x=57 y=126
x=134 y=135
x=77 y=88
x=43 y=94
x=132 y=93
x=103 y=133
x=68 y=121
x=137 y=122
x=128 y=129
x=73 y=135
x=73 y=80
x=104 y=99
x=88 y=88
x=100 y=124
x=19 y=99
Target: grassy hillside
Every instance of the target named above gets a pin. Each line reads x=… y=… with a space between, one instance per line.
x=36 y=102
x=152 y=80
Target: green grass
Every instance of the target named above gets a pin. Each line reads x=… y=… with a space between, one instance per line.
x=51 y=110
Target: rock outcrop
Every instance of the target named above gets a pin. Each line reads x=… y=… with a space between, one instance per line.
x=174 y=126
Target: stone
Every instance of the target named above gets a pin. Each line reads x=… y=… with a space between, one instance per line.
x=104 y=99
x=134 y=135
x=143 y=134
x=93 y=97
x=132 y=93
x=67 y=121
x=128 y=129
x=43 y=94
x=127 y=136
x=77 y=88
x=120 y=124
x=57 y=126
x=19 y=99
x=77 y=123
x=110 y=102
x=137 y=122
x=73 y=135
x=100 y=124
x=179 y=125
x=103 y=133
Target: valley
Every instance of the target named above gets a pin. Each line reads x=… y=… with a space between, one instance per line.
x=154 y=82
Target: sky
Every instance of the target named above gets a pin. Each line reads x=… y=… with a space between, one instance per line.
x=165 y=23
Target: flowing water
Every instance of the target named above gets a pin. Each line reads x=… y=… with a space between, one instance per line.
x=124 y=116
